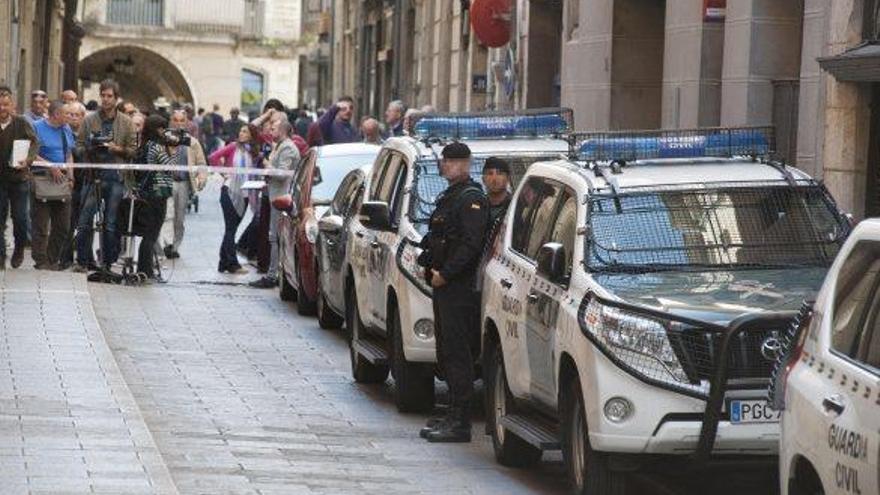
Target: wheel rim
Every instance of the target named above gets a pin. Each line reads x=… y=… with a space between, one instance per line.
x=499 y=397
x=578 y=446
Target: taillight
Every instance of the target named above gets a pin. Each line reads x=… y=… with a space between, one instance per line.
x=792 y=352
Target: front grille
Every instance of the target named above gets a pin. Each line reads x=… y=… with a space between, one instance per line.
x=699 y=350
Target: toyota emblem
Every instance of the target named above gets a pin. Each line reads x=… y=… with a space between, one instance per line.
x=771 y=348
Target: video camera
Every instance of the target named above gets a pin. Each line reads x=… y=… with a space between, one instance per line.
x=96 y=140
x=177 y=137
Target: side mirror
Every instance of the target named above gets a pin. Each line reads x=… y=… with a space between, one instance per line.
x=330 y=224
x=551 y=262
x=375 y=215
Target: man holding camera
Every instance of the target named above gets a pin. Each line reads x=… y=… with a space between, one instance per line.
x=188 y=152
x=106 y=136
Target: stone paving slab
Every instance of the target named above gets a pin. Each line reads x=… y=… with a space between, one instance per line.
x=68 y=422
x=247 y=397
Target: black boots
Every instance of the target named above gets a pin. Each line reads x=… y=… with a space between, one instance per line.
x=455 y=428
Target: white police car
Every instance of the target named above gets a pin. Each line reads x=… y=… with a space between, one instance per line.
x=829 y=381
x=634 y=300
x=388 y=303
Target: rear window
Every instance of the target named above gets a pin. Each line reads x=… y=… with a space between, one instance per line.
x=332 y=171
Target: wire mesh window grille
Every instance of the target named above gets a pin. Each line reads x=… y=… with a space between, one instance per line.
x=714 y=228
x=428 y=183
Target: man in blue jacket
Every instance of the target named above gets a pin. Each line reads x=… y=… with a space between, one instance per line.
x=336 y=125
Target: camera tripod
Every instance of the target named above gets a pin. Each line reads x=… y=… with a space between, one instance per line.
x=104 y=273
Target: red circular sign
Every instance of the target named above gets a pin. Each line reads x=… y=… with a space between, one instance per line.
x=491 y=21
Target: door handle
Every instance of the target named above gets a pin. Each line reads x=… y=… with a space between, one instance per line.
x=533 y=297
x=834 y=403
x=506 y=283
x=374 y=244
x=359 y=234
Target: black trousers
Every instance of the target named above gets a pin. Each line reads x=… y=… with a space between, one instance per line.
x=457 y=330
x=157 y=208
x=231 y=220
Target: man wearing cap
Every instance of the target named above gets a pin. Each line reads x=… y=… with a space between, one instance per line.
x=455 y=238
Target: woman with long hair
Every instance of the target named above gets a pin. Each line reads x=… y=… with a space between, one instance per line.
x=153 y=187
x=244 y=152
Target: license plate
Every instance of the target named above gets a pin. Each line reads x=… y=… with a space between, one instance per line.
x=752 y=411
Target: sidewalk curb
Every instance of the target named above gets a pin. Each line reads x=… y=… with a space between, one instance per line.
x=148 y=451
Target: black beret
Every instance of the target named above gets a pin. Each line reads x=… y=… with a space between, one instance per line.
x=493 y=162
x=456 y=150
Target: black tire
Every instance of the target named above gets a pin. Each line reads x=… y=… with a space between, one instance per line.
x=304 y=305
x=327 y=318
x=285 y=291
x=361 y=370
x=510 y=450
x=588 y=470
x=414 y=382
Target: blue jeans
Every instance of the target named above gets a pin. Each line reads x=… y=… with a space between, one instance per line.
x=14 y=196
x=111 y=193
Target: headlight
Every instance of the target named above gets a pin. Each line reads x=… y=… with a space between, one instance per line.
x=640 y=342
x=311 y=230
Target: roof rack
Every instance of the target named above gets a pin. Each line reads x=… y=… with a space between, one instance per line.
x=534 y=123
x=625 y=146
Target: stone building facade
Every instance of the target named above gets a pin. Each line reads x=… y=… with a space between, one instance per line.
x=235 y=53
x=32 y=36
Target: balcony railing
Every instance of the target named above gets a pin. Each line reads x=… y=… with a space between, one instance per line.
x=226 y=16
x=136 y=12
x=235 y=17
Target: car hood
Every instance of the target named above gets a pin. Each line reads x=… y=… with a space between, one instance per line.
x=716 y=296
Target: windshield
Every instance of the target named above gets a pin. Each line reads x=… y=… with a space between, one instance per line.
x=713 y=228
x=332 y=170
x=428 y=184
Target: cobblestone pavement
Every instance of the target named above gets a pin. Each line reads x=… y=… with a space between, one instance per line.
x=235 y=394
x=244 y=396
x=68 y=422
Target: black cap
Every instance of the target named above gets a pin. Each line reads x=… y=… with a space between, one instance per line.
x=456 y=150
x=493 y=162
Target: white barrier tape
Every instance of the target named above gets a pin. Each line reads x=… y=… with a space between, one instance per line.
x=194 y=169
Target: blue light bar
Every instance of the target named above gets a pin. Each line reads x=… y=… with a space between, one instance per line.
x=495 y=125
x=692 y=143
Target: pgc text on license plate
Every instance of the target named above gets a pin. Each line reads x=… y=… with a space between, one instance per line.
x=752 y=411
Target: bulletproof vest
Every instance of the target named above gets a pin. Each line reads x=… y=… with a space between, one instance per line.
x=444 y=226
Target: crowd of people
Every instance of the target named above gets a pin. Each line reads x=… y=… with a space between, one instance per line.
x=56 y=210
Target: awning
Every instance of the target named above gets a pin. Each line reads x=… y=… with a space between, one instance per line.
x=858 y=64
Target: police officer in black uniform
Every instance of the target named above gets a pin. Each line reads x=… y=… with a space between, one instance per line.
x=453 y=245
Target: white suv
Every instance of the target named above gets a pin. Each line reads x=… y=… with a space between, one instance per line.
x=388 y=304
x=829 y=380
x=627 y=305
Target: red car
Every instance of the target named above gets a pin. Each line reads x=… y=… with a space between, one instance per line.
x=319 y=176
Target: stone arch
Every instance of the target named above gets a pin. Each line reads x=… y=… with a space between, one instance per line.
x=151 y=76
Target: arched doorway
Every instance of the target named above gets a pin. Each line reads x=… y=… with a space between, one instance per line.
x=143 y=75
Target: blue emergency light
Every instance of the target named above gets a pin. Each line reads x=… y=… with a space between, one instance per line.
x=495 y=125
x=693 y=143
